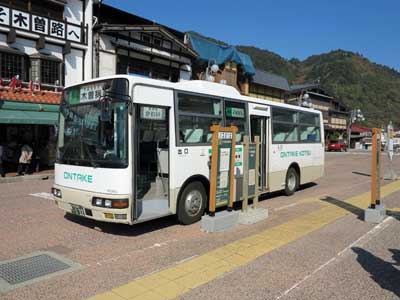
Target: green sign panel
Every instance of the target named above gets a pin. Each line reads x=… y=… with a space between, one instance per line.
x=223 y=168
x=235 y=112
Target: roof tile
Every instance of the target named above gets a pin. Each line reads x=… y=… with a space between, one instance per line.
x=48 y=97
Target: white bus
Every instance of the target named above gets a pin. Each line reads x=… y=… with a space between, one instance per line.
x=132 y=149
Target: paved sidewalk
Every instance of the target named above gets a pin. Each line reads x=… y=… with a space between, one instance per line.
x=188 y=275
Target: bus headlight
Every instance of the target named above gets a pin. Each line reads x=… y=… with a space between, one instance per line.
x=56 y=192
x=110 y=203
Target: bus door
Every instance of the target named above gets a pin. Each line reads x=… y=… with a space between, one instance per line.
x=259 y=117
x=152 y=162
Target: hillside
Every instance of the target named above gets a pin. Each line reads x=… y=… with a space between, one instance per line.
x=348 y=76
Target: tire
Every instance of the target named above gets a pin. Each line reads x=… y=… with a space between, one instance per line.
x=192 y=203
x=292 y=182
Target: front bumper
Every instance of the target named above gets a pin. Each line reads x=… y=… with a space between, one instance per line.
x=71 y=199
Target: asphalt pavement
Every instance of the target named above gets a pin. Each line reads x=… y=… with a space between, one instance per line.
x=344 y=259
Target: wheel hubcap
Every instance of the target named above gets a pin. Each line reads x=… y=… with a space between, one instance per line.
x=193 y=203
x=292 y=182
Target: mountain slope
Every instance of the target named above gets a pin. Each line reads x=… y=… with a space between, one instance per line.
x=348 y=76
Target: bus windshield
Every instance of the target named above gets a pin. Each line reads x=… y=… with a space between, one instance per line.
x=90 y=137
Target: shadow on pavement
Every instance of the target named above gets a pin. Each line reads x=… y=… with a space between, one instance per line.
x=345 y=205
x=382 y=272
x=362 y=174
x=271 y=195
x=123 y=229
x=394 y=214
x=156 y=224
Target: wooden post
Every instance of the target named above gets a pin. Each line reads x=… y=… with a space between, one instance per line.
x=234 y=130
x=378 y=167
x=375 y=168
x=245 y=196
x=213 y=174
x=257 y=170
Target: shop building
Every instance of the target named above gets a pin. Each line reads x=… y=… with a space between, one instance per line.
x=44 y=45
x=128 y=44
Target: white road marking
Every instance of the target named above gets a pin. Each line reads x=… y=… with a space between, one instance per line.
x=116 y=258
x=366 y=237
x=286 y=206
x=47 y=196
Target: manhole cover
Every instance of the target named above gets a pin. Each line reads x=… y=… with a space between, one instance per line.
x=35 y=267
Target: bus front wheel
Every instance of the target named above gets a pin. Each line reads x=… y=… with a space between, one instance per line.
x=192 y=203
x=292 y=181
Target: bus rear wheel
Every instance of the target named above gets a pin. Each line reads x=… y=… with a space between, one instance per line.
x=292 y=181
x=192 y=203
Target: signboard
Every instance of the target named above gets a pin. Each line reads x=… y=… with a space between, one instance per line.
x=252 y=169
x=91 y=92
x=235 y=112
x=94 y=91
x=152 y=113
x=223 y=171
x=37 y=24
x=222 y=167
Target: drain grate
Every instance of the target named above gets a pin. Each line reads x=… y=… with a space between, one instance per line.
x=30 y=268
x=33 y=268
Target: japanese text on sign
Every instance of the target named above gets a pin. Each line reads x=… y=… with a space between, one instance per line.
x=40 y=25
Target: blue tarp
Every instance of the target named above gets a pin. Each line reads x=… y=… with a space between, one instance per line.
x=209 y=51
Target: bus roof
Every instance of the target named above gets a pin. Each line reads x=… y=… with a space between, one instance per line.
x=199 y=87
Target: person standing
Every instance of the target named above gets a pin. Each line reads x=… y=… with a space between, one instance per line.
x=24 y=160
x=2 y=171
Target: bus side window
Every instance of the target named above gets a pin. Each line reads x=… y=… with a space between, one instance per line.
x=196 y=114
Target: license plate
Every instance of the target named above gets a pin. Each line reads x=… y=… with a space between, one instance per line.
x=77 y=210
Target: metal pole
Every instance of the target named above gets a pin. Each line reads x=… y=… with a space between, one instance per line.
x=234 y=130
x=378 y=166
x=245 y=173
x=257 y=171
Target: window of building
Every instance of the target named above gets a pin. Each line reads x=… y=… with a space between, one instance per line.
x=12 y=64
x=146 y=38
x=196 y=114
x=157 y=42
x=50 y=71
x=46 y=69
x=235 y=114
x=52 y=10
x=167 y=44
x=20 y=4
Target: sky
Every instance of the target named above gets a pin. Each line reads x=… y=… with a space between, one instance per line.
x=290 y=28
